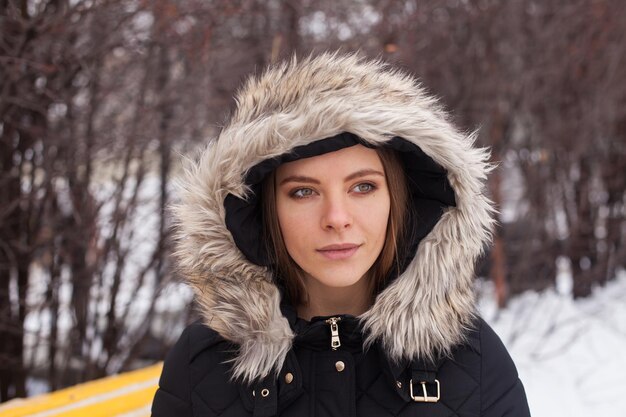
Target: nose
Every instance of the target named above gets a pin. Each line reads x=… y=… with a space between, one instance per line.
x=336 y=215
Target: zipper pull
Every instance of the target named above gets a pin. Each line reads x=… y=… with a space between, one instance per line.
x=334 y=332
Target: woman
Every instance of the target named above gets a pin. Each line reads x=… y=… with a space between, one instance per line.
x=330 y=233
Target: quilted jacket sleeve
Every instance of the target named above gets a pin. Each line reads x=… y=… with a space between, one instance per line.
x=173 y=396
x=502 y=392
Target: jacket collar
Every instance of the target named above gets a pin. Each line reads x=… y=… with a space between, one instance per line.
x=316 y=335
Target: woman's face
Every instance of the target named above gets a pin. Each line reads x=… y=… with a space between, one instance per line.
x=333 y=211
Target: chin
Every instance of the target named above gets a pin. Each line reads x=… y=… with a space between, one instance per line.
x=331 y=280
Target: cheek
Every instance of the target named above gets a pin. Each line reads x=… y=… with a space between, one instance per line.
x=288 y=231
x=382 y=225
x=293 y=227
x=376 y=218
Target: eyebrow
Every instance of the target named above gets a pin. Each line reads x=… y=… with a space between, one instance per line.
x=299 y=178
x=309 y=180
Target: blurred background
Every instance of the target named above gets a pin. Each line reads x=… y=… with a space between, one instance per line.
x=100 y=98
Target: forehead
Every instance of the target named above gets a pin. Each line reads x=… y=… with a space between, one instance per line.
x=349 y=159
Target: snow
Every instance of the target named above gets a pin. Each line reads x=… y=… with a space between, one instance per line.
x=569 y=353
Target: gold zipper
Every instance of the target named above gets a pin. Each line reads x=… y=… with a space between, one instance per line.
x=334 y=332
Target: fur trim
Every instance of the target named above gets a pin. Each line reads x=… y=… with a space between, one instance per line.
x=426 y=310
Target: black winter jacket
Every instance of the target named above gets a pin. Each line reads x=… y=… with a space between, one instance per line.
x=317 y=381
x=251 y=355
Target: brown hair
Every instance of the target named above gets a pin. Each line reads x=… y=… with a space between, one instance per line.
x=289 y=271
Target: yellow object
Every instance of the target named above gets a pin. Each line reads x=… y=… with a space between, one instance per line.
x=126 y=395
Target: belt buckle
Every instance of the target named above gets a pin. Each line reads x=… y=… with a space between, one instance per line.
x=425 y=398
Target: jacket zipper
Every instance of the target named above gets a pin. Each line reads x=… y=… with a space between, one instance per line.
x=334 y=332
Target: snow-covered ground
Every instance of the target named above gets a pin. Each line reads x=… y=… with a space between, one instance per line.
x=571 y=355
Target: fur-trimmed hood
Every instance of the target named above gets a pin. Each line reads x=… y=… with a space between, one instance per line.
x=424 y=311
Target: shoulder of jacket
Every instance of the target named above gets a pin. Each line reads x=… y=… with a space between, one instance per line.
x=491 y=346
x=500 y=384
x=198 y=338
x=193 y=355
x=482 y=339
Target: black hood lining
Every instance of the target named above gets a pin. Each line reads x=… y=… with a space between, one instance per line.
x=429 y=190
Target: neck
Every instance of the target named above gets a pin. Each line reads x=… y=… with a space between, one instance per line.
x=329 y=301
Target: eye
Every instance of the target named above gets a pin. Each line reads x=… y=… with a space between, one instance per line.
x=302 y=193
x=364 y=188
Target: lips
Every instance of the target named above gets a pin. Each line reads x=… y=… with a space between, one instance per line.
x=339 y=251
